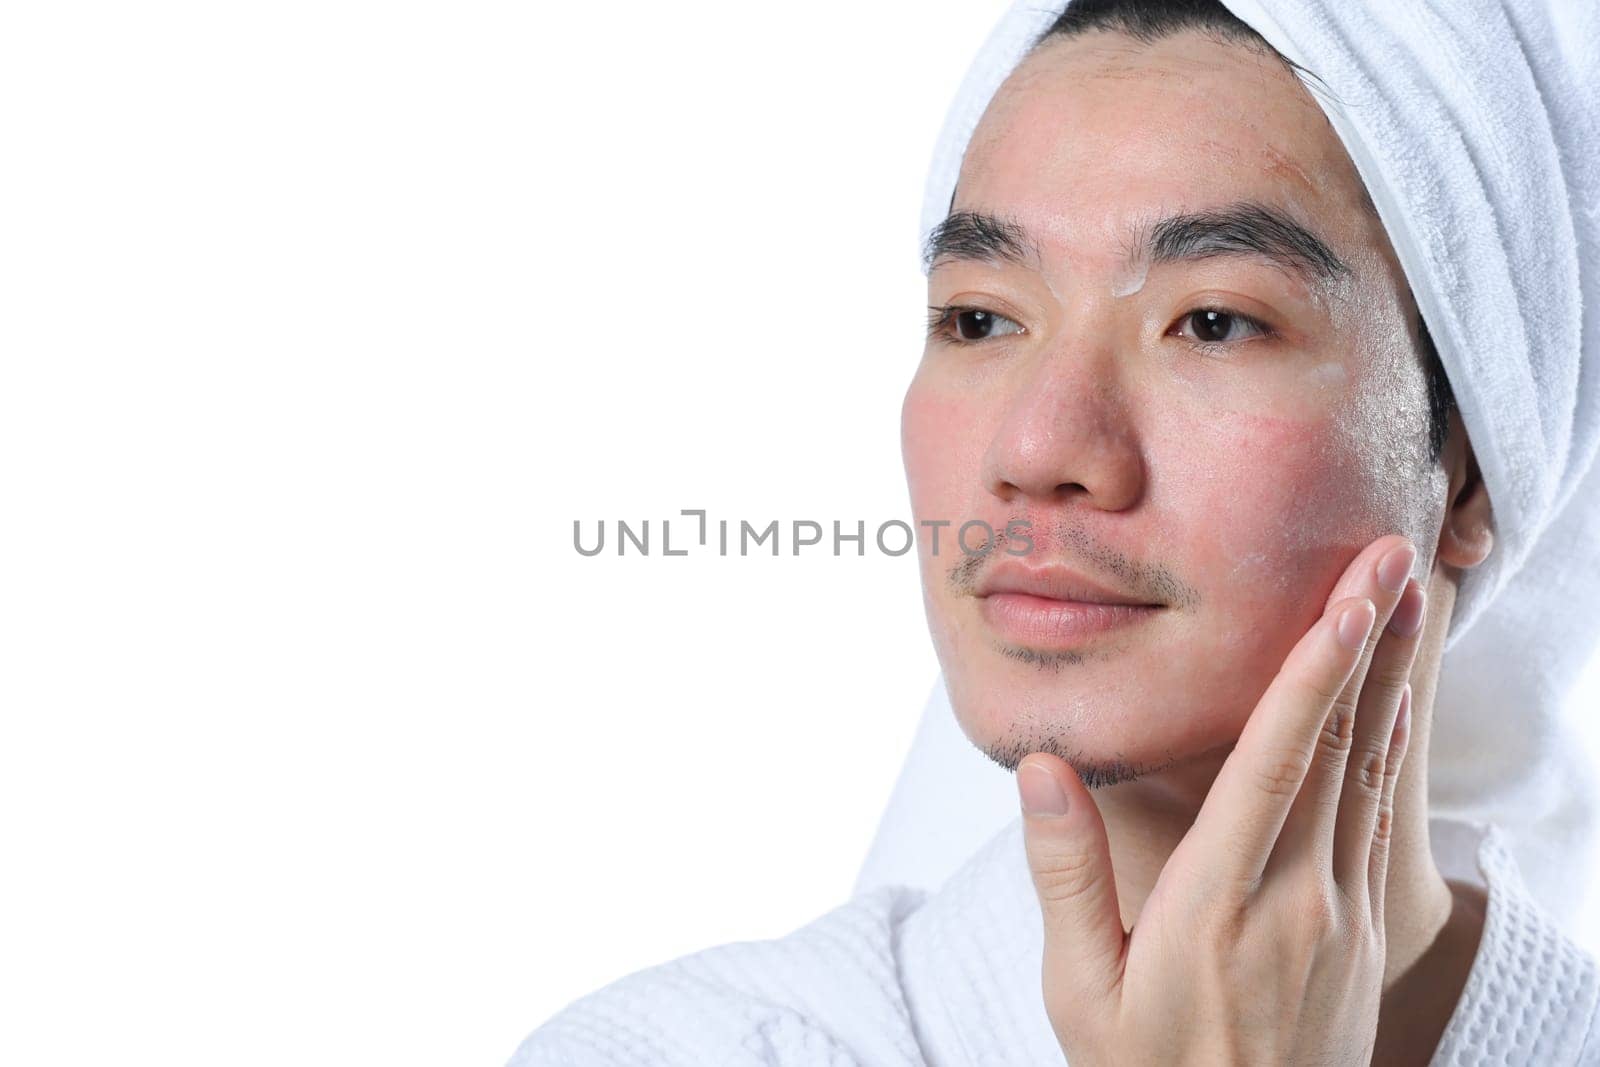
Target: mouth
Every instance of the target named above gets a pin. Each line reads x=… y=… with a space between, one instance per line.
x=1053 y=607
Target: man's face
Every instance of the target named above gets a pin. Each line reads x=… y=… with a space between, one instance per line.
x=1182 y=397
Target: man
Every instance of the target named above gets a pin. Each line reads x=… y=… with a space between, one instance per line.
x=1175 y=362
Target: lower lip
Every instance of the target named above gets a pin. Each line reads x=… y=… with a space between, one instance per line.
x=1042 y=621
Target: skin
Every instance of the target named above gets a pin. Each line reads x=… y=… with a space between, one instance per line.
x=1236 y=484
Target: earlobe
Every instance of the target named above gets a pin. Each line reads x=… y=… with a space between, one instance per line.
x=1467 y=533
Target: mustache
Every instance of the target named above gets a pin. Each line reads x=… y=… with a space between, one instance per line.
x=1070 y=542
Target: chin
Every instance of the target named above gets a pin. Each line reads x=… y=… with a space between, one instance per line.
x=1092 y=715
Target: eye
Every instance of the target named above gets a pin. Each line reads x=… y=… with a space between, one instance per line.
x=1220 y=326
x=967 y=325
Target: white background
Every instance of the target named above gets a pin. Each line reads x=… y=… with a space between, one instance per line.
x=324 y=321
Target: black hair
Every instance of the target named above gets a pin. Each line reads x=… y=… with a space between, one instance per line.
x=1148 y=21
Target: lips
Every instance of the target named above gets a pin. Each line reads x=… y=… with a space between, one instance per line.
x=1053 y=582
x=1055 y=607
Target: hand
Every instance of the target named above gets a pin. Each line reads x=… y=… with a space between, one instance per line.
x=1262 y=941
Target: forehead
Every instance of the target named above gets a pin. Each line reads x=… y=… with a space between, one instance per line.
x=1098 y=130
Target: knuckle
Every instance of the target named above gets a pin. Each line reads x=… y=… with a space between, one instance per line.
x=1281 y=773
x=1338 y=730
x=1390 y=675
x=1370 y=771
x=1066 y=876
x=1384 y=826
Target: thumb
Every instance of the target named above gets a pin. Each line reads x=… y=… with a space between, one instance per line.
x=1070 y=860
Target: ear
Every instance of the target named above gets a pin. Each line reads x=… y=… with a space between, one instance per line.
x=1466 y=533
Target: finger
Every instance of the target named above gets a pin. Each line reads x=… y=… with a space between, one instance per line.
x=1369 y=760
x=1070 y=860
x=1308 y=832
x=1245 y=808
x=1382 y=829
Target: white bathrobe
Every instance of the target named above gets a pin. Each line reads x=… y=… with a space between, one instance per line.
x=899 y=977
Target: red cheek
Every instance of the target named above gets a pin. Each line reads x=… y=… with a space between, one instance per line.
x=1237 y=458
x=1311 y=465
x=1268 y=432
x=1270 y=506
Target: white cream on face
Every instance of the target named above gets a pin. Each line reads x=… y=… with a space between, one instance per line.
x=1053 y=294
x=1131 y=280
x=1326 y=374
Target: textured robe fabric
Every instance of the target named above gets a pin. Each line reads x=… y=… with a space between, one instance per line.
x=899 y=976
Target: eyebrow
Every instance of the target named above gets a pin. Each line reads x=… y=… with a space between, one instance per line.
x=1246 y=228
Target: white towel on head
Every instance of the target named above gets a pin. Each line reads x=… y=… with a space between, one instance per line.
x=1474 y=125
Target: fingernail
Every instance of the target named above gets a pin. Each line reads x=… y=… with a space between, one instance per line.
x=1041 y=793
x=1408 y=614
x=1395 y=568
x=1355 y=623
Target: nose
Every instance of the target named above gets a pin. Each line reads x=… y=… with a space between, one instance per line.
x=1065 y=432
